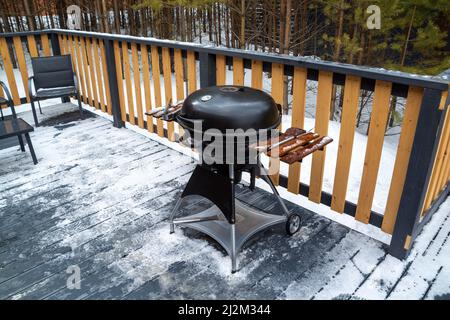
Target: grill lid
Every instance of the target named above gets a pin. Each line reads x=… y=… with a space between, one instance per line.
x=230 y=107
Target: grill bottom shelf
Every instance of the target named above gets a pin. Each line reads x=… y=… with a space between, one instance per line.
x=249 y=221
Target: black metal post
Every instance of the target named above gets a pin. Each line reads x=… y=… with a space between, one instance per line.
x=112 y=80
x=423 y=153
x=55 y=44
x=207 y=69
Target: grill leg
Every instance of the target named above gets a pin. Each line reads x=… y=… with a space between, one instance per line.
x=233 y=223
x=172 y=215
x=233 y=248
x=274 y=190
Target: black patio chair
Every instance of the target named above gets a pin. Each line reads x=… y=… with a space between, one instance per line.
x=15 y=126
x=53 y=77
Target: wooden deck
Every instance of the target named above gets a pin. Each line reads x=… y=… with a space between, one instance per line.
x=99 y=200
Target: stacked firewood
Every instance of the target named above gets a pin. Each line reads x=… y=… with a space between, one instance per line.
x=293 y=145
x=167 y=113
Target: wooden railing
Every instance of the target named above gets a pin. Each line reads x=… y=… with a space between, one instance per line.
x=110 y=69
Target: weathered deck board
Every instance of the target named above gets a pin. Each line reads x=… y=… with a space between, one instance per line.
x=100 y=198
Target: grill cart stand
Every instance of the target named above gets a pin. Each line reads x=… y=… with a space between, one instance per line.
x=230 y=222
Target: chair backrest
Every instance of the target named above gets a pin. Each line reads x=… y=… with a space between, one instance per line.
x=8 y=99
x=52 y=72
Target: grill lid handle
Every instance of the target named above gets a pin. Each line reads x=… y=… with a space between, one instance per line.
x=187 y=123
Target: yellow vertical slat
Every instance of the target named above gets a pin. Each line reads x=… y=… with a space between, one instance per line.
x=447 y=175
x=377 y=127
x=433 y=187
x=446 y=171
x=69 y=50
x=94 y=78
x=127 y=73
x=156 y=72
x=442 y=179
x=179 y=81
x=32 y=46
x=277 y=94
x=445 y=141
x=191 y=71
x=76 y=65
x=106 y=78
x=257 y=74
x=345 y=147
x=147 y=91
x=137 y=84
x=97 y=63
x=62 y=44
x=298 y=121
x=45 y=45
x=167 y=73
x=119 y=74
x=87 y=77
x=221 y=76
x=443 y=101
x=22 y=64
x=238 y=71
x=7 y=64
x=404 y=148
x=179 y=74
x=78 y=49
x=324 y=90
x=66 y=44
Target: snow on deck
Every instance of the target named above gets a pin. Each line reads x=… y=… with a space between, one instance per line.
x=99 y=200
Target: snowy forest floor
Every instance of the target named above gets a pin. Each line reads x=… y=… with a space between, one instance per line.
x=100 y=197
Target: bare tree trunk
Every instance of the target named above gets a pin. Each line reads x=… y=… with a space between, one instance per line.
x=30 y=18
x=336 y=53
x=338 y=40
x=105 y=14
x=242 y=32
x=116 y=16
x=219 y=22
x=408 y=35
x=303 y=27
x=227 y=27
x=286 y=39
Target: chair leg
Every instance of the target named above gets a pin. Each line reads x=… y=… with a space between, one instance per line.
x=40 y=110
x=22 y=146
x=33 y=108
x=30 y=145
x=79 y=106
x=1 y=113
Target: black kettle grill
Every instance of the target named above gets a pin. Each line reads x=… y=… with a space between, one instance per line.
x=225 y=109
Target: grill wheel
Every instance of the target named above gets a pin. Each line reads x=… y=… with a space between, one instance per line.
x=293 y=224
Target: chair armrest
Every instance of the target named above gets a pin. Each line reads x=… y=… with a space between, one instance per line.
x=6 y=90
x=30 y=86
